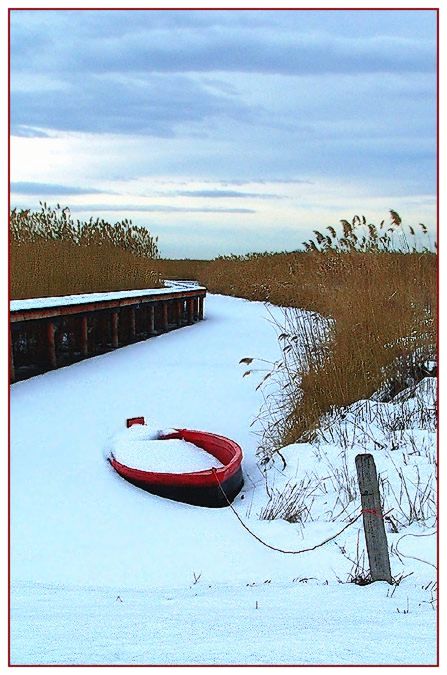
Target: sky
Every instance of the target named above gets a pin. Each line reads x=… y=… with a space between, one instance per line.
x=225 y=131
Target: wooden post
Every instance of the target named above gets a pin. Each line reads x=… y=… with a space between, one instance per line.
x=84 y=335
x=93 y=332
x=115 y=340
x=190 y=302
x=165 y=316
x=375 y=535
x=150 y=317
x=201 y=307
x=141 y=329
x=51 y=346
x=132 y=330
x=179 y=312
x=105 y=331
x=175 y=312
x=99 y=333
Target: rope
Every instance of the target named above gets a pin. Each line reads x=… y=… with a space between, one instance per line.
x=403 y=555
x=276 y=548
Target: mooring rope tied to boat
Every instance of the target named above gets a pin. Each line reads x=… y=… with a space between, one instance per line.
x=281 y=550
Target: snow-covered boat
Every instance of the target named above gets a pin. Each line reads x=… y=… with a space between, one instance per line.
x=213 y=487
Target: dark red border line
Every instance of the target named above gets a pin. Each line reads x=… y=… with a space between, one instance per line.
x=246 y=9
x=9 y=339
x=438 y=510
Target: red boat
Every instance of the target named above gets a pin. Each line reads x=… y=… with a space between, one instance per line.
x=212 y=487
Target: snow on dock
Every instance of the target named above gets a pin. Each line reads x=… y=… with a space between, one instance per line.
x=87 y=298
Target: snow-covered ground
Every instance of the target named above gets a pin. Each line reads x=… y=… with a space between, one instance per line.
x=103 y=572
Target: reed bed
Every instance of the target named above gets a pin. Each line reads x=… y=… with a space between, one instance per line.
x=377 y=286
x=53 y=255
x=182 y=268
x=54 y=268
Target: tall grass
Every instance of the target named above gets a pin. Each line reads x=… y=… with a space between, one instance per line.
x=377 y=286
x=182 y=269
x=383 y=308
x=51 y=254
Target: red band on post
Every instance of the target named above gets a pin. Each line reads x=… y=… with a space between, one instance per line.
x=372 y=512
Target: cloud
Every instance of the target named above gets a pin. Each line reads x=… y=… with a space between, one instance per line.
x=264 y=181
x=173 y=42
x=44 y=189
x=169 y=74
x=26 y=131
x=226 y=194
x=243 y=51
x=154 y=208
x=150 y=105
x=157 y=73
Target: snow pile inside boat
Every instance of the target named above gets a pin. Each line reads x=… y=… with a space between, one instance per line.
x=143 y=432
x=141 y=447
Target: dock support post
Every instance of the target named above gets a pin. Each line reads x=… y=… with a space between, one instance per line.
x=12 y=376
x=179 y=310
x=190 y=303
x=165 y=316
x=94 y=332
x=51 y=346
x=201 y=303
x=102 y=332
x=115 y=341
x=84 y=335
x=105 y=330
x=151 y=319
x=132 y=330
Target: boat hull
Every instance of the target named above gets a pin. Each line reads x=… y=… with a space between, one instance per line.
x=213 y=488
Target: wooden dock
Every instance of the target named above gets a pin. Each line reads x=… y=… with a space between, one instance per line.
x=48 y=333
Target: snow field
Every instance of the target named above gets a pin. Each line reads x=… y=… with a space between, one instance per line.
x=81 y=535
x=300 y=623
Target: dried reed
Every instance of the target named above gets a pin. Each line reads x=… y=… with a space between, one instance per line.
x=51 y=254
